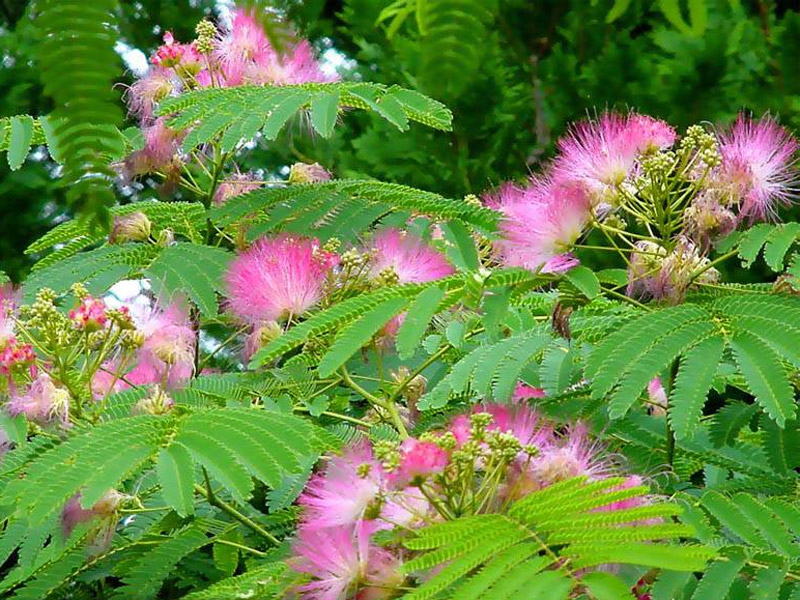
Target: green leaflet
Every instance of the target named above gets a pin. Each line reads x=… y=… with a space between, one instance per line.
x=144 y=578
x=324 y=110
x=585 y=280
x=358 y=333
x=765 y=375
x=719 y=577
x=339 y=315
x=297 y=199
x=692 y=383
x=643 y=369
x=76 y=59
x=495 y=556
x=191 y=269
x=778 y=244
x=262 y=581
x=610 y=359
x=238 y=113
x=175 y=470
x=417 y=320
x=19 y=140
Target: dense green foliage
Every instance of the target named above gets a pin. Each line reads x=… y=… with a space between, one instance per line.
x=158 y=489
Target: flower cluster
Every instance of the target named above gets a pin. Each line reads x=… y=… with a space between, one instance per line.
x=667 y=200
x=84 y=354
x=280 y=278
x=499 y=453
x=241 y=54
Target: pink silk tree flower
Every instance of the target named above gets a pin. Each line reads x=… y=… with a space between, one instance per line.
x=539 y=227
x=573 y=455
x=418 y=461
x=344 y=564
x=167 y=355
x=758 y=169
x=408 y=256
x=90 y=315
x=341 y=495
x=658 y=397
x=278 y=278
x=600 y=153
x=145 y=93
x=43 y=402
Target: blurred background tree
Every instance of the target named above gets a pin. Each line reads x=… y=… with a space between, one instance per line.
x=514 y=72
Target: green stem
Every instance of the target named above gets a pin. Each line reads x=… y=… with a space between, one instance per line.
x=388 y=406
x=232 y=512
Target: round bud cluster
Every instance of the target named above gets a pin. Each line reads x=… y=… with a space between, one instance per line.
x=206 y=34
x=332 y=245
x=157 y=403
x=388 y=276
x=354 y=260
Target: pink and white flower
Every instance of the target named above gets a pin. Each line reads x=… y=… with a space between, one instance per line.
x=278 y=277
x=758 y=170
x=600 y=153
x=540 y=225
x=408 y=256
x=418 y=461
x=343 y=563
x=341 y=494
x=43 y=402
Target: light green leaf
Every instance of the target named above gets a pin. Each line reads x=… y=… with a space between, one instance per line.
x=619 y=8
x=765 y=375
x=604 y=586
x=324 y=110
x=358 y=334
x=585 y=280
x=193 y=270
x=175 y=469
x=692 y=383
x=20 y=140
x=417 y=320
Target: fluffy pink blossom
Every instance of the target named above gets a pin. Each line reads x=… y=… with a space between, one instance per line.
x=758 y=169
x=90 y=314
x=408 y=256
x=573 y=455
x=520 y=420
x=343 y=564
x=167 y=355
x=245 y=56
x=145 y=93
x=161 y=146
x=43 y=402
x=341 y=495
x=278 y=277
x=418 y=460
x=599 y=154
x=539 y=226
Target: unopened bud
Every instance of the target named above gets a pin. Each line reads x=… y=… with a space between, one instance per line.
x=157 y=403
x=305 y=173
x=134 y=227
x=166 y=238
